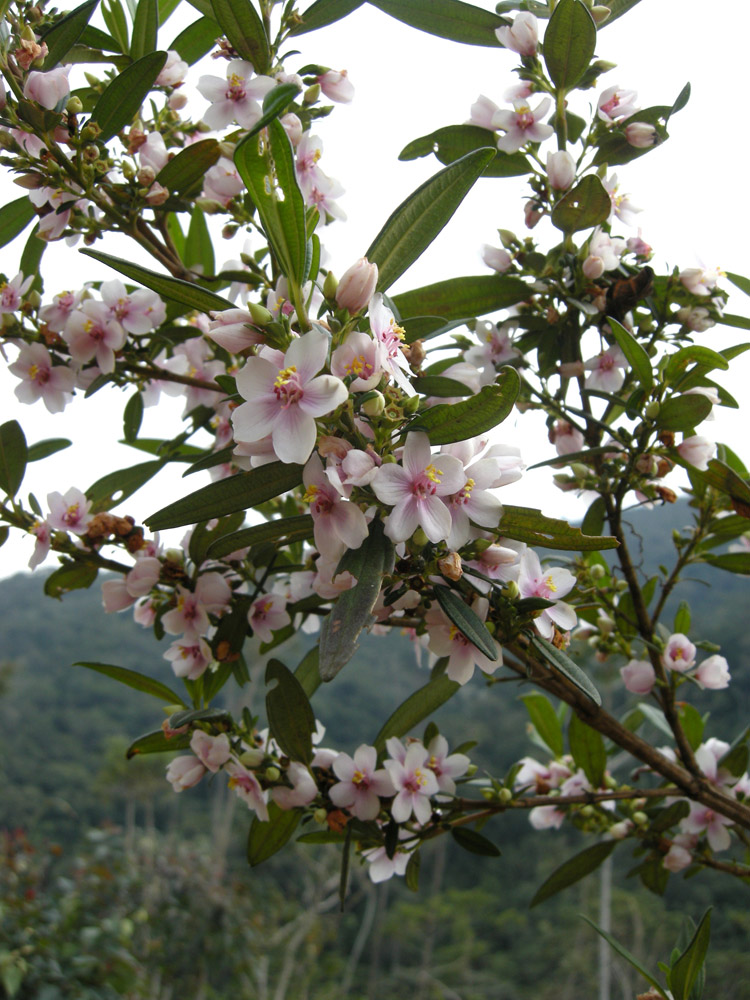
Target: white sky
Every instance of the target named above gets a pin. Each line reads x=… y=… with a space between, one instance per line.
x=408 y=84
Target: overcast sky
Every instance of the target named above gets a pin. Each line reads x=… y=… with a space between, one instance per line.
x=691 y=190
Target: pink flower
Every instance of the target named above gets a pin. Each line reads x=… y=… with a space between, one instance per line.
x=12 y=292
x=522 y=125
x=713 y=673
x=212 y=751
x=561 y=170
x=359 y=356
x=138 y=311
x=535 y=582
x=190 y=617
x=639 y=676
x=41 y=379
x=615 y=104
x=337 y=86
x=70 y=512
x=568 y=440
x=222 y=182
x=357 y=285
x=679 y=653
x=189 y=656
x=234 y=330
x=338 y=524
x=607 y=370
x=701 y=819
x=235 y=99
x=91 y=332
x=414 y=490
x=482 y=112
x=382 y=867
x=700 y=281
x=267 y=614
x=473 y=502
x=41 y=529
x=546 y=818
x=303 y=788
x=247 y=787
x=414 y=783
x=173 y=72
x=497 y=258
x=697 y=450
x=678 y=856
x=360 y=785
x=448 y=640
x=522 y=36
x=153 y=152
x=444 y=765
x=622 y=206
x=284 y=397
x=640 y=135
x=184 y=772
x=49 y=88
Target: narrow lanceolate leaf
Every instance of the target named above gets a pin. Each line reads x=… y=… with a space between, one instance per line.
x=463 y=298
x=62 y=36
x=132 y=417
x=545 y=721
x=324 y=12
x=31 y=258
x=290 y=715
x=13 y=457
x=569 y=43
x=526 y=524
x=452 y=142
x=121 y=101
x=452 y=19
x=228 y=495
x=307 y=672
x=145 y=28
x=573 y=870
x=266 y=165
x=14 y=218
x=353 y=609
x=617 y=8
x=587 y=747
x=560 y=661
x=135 y=680
x=275 y=103
x=157 y=742
x=586 y=206
x=682 y=413
x=722 y=477
x=112 y=489
x=631 y=959
x=418 y=220
x=41 y=449
x=733 y=562
x=199 y=248
x=449 y=422
x=242 y=25
x=475 y=843
x=183 y=174
x=196 y=40
x=184 y=292
x=416 y=708
x=635 y=353
x=466 y=621
x=686 y=969
x=265 y=839
x=283 y=531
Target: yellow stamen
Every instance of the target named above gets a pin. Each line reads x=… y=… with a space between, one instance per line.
x=433 y=474
x=550 y=584
x=285 y=375
x=311 y=493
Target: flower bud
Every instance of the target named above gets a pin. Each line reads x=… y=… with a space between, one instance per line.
x=74 y=105
x=505 y=795
x=593 y=267
x=450 y=566
x=273 y=773
x=561 y=170
x=531 y=214
x=374 y=405
x=496 y=258
x=337 y=86
x=600 y=14
x=252 y=758
x=507 y=238
x=330 y=285
x=320 y=816
x=641 y=135
x=357 y=285
x=652 y=409
x=312 y=94
x=261 y=316
x=292 y=127
x=640 y=818
x=177 y=101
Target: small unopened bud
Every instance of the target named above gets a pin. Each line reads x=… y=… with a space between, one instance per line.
x=587 y=811
x=177 y=101
x=652 y=409
x=531 y=214
x=90 y=153
x=320 y=816
x=600 y=14
x=312 y=94
x=640 y=818
x=29 y=181
x=146 y=176
x=74 y=105
x=175 y=556
x=419 y=538
x=561 y=170
x=504 y=795
x=252 y=758
x=511 y=590
x=641 y=135
x=410 y=404
x=273 y=773
x=593 y=267
x=261 y=315
x=507 y=238
x=450 y=566
x=357 y=285
x=330 y=284
x=374 y=405
x=597 y=572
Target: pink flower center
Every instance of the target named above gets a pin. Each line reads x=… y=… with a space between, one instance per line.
x=287 y=387
x=464 y=495
x=425 y=485
x=236 y=89
x=39 y=375
x=415 y=781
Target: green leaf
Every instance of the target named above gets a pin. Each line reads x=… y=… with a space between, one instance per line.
x=692 y=723
x=418 y=220
x=70 y=576
x=135 y=680
x=569 y=43
x=527 y=524
x=307 y=672
x=242 y=25
x=13 y=457
x=452 y=142
x=586 y=206
x=14 y=218
x=732 y=562
x=31 y=258
x=112 y=489
x=157 y=742
x=417 y=707
x=194 y=42
x=656 y=717
x=449 y=422
x=466 y=621
x=723 y=478
x=682 y=619
x=474 y=842
x=683 y=413
x=265 y=839
x=267 y=168
x=739 y=281
x=593 y=519
x=183 y=175
x=132 y=417
x=96 y=39
x=275 y=103
x=624 y=953
x=353 y=609
x=566 y=666
x=705 y=359
x=202 y=535
x=228 y=495
x=684 y=972
x=180 y=719
x=545 y=721
x=411 y=875
x=462 y=298
x=62 y=36
x=736 y=758
x=283 y=531
x=199 y=247
x=184 y=292
x=47 y=447
x=122 y=99
x=166 y=9
x=573 y=870
x=145 y=28
x=437 y=385
x=114 y=18
x=587 y=747
x=616 y=9
x=324 y=12
x=451 y=19
x=634 y=352
x=290 y=715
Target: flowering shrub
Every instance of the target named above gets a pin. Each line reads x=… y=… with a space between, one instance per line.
x=358 y=481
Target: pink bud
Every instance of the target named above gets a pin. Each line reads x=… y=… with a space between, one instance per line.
x=337 y=86
x=184 y=772
x=522 y=36
x=292 y=127
x=641 y=135
x=496 y=258
x=48 y=89
x=593 y=267
x=697 y=451
x=679 y=653
x=561 y=170
x=531 y=212
x=357 y=285
x=638 y=676
x=713 y=673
